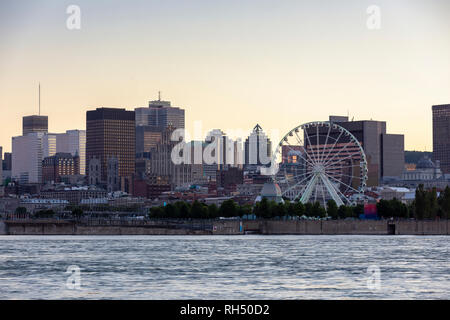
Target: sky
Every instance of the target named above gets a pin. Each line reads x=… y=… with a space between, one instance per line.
x=230 y=64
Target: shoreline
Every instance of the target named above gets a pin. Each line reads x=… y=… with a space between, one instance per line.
x=227 y=227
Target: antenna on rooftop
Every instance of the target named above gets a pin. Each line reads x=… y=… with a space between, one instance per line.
x=39 y=98
x=159 y=95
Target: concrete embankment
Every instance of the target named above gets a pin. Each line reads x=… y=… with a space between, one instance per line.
x=356 y=227
x=230 y=227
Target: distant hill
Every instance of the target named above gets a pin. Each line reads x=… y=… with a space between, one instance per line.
x=415 y=156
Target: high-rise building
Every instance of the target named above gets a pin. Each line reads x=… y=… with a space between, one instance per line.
x=7 y=165
x=441 y=136
x=31 y=124
x=61 y=164
x=49 y=145
x=27 y=156
x=7 y=161
x=147 y=137
x=257 y=149
x=152 y=121
x=1 y=166
x=110 y=133
x=160 y=114
x=73 y=142
x=384 y=152
x=219 y=153
x=163 y=167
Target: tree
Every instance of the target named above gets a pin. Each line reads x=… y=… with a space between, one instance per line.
x=445 y=203
x=262 y=208
x=156 y=212
x=171 y=211
x=299 y=209
x=318 y=210
x=77 y=212
x=358 y=210
x=420 y=203
x=345 y=212
x=278 y=210
x=21 y=210
x=213 y=211
x=228 y=209
x=332 y=209
x=431 y=204
x=198 y=210
x=45 y=214
x=183 y=209
x=308 y=209
x=244 y=210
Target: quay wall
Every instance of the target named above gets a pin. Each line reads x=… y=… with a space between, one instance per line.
x=234 y=227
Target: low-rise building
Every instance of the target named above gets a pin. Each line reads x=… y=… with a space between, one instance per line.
x=74 y=195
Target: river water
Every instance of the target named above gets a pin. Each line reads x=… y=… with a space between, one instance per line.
x=224 y=267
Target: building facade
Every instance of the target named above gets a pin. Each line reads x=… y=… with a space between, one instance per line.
x=160 y=114
x=110 y=133
x=33 y=124
x=61 y=164
x=257 y=149
x=73 y=142
x=27 y=156
x=151 y=123
x=384 y=152
x=1 y=166
x=441 y=136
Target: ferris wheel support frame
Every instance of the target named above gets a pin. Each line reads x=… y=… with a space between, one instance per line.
x=321 y=162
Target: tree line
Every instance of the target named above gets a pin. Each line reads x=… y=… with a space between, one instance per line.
x=264 y=209
x=427 y=205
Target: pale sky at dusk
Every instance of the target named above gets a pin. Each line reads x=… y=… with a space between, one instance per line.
x=230 y=64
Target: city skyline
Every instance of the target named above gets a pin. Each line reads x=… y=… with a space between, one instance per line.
x=275 y=67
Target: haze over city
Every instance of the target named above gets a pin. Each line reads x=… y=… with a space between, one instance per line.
x=230 y=64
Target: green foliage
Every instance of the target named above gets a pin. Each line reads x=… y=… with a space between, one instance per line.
x=332 y=209
x=345 y=212
x=444 y=204
x=228 y=209
x=318 y=210
x=213 y=211
x=428 y=206
x=44 y=214
x=156 y=213
x=21 y=210
x=77 y=212
x=392 y=208
x=199 y=210
x=183 y=209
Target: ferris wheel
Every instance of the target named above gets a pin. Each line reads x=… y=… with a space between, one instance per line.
x=318 y=162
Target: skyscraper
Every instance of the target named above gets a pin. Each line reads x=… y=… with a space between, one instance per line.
x=257 y=149
x=151 y=122
x=32 y=124
x=1 y=166
x=160 y=114
x=384 y=152
x=27 y=156
x=110 y=133
x=73 y=142
x=441 y=136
